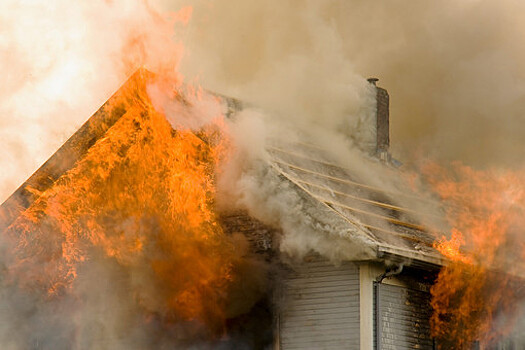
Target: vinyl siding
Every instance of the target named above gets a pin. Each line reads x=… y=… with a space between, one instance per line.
x=320 y=307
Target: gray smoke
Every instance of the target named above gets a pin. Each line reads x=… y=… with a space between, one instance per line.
x=453 y=68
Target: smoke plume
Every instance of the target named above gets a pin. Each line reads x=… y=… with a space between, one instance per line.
x=453 y=68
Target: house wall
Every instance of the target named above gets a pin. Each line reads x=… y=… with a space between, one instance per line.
x=319 y=307
x=367 y=275
x=322 y=306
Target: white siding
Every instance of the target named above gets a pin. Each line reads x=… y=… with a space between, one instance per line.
x=320 y=307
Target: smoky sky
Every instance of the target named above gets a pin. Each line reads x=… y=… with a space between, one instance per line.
x=453 y=69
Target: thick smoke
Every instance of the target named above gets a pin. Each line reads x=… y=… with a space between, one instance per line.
x=249 y=181
x=453 y=68
x=290 y=60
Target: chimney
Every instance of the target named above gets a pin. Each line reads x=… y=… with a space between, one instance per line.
x=382 y=121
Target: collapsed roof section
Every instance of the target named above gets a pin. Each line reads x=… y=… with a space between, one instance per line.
x=366 y=217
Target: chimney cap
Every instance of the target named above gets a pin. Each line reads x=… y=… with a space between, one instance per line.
x=373 y=81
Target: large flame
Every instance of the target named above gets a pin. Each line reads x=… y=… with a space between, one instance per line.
x=142 y=196
x=61 y=60
x=124 y=250
x=476 y=295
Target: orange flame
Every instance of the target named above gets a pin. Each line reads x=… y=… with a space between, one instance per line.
x=142 y=196
x=136 y=210
x=451 y=248
x=62 y=60
x=486 y=247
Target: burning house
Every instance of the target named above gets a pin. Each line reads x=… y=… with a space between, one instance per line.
x=132 y=194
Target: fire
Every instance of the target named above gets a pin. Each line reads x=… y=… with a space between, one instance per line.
x=475 y=296
x=451 y=248
x=142 y=198
x=126 y=246
x=61 y=60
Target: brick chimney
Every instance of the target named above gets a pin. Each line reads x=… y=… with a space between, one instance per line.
x=382 y=121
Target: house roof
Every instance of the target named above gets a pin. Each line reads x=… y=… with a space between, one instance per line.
x=377 y=213
x=372 y=214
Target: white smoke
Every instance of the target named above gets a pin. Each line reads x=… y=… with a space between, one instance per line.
x=249 y=181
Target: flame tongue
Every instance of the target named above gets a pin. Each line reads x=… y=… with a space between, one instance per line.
x=143 y=197
x=475 y=297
